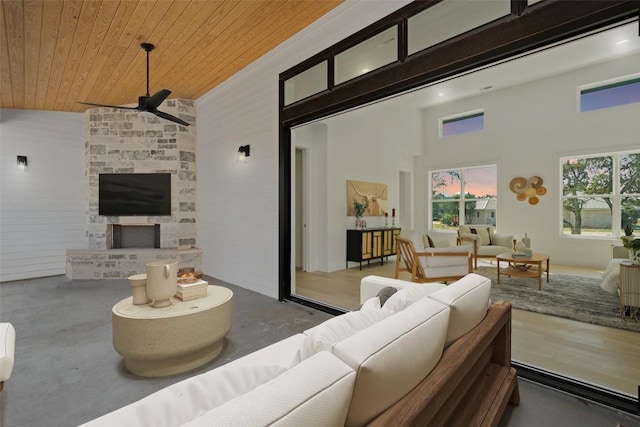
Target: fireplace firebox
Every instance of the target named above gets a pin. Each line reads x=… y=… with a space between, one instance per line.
x=134 y=236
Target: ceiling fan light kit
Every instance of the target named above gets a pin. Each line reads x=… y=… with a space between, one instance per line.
x=148 y=104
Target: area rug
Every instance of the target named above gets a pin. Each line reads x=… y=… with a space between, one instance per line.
x=572 y=297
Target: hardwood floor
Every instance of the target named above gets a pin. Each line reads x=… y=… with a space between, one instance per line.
x=607 y=357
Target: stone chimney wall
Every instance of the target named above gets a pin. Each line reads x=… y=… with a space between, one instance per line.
x=122 y=141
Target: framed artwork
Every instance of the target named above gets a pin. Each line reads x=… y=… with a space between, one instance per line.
x=374 y=194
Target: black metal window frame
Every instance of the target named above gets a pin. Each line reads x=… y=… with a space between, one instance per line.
x=526 y=29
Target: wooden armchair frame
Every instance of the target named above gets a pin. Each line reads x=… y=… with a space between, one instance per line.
x=410 y=258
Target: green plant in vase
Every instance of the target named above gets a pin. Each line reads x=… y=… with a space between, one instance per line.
x=628 y=229
x=358 y=210
x=634 y=247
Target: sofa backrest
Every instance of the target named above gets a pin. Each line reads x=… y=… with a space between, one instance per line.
x=392 y=356
x=317 y=392
x=469 y=301
x=371 y=285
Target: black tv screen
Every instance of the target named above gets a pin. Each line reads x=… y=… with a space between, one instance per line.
x=134 y=194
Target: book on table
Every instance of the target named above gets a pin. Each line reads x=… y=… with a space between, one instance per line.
x=521 y=255
x=188 y=291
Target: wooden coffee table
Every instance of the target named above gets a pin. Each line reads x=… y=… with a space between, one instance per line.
x=524 y=267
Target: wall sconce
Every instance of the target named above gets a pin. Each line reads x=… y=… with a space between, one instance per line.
x=22 y=162
x=243 y=152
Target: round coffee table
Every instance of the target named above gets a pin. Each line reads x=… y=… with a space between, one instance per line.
x=532 y=266
x=156 y=342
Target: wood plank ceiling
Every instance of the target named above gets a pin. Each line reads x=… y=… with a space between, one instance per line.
x=54 y=53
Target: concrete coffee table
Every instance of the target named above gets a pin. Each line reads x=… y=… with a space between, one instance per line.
x=532 y=266
x=156 y=342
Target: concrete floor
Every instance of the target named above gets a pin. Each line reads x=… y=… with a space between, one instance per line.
x=67 y=372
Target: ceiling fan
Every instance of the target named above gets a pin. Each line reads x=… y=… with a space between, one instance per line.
x=146 y=103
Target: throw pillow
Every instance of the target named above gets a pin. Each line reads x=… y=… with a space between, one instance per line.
x=428 y=242
x=385 y=293
x=483 y=233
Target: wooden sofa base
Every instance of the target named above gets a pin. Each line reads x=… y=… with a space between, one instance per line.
x=470 y=386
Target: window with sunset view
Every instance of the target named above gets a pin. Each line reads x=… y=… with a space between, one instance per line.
x=464 y=196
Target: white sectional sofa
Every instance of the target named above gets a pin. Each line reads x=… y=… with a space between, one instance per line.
x=354 y=369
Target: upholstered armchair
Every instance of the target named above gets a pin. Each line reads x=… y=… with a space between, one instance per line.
x=485 y=241
x=431 y=264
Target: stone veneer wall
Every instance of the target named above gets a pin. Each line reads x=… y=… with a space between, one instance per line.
x=122 y=141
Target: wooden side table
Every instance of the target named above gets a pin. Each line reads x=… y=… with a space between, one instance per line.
x=156 y=342
x=629 y=290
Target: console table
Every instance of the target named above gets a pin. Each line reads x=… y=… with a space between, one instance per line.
x=156 y=342
x=371 y=243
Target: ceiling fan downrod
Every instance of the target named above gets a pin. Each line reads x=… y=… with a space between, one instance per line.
x=148 y=47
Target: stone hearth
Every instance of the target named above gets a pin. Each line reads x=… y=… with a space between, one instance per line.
x=122 y=263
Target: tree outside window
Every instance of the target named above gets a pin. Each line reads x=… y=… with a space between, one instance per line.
x=599 y=191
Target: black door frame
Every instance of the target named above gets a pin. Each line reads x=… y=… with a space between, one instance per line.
x=526 y=29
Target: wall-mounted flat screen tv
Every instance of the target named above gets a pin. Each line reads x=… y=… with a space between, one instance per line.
x=134 y=194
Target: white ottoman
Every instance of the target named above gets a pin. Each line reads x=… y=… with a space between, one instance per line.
x=7 y=351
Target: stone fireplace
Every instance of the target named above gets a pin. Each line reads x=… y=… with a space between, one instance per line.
x=122 y=141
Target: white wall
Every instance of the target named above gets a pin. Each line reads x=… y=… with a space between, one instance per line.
x=42 y=208
x=238 y=203
x=528 y=128
x=371 y=144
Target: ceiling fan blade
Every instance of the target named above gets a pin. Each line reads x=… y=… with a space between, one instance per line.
x=157 y=98
x=167 y=116
x=106 y=105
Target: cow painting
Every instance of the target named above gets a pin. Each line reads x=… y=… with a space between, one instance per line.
x=374 y=194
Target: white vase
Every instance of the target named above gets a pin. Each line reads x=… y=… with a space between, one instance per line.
x=162 y=282
x=138 y=284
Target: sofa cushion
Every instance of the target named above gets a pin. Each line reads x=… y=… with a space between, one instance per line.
x=409 y=295
x=201 y=393
x=446 y=261
x=371 y=304
x=491 y=251
x=392 y=356
x=323 y=336
x=468 y=299
x=315 y=392
x=194 y=396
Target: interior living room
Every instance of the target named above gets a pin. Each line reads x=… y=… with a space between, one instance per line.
x=385 y=141
x=226 y=217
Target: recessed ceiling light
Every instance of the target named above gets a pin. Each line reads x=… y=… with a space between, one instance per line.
x=622 y=41
x=441 y=94
x=365 y=70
